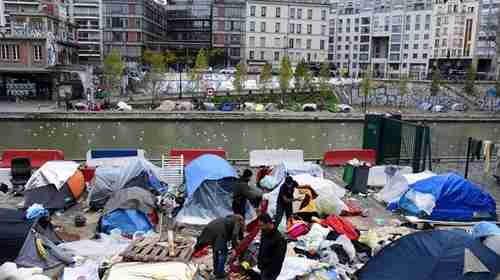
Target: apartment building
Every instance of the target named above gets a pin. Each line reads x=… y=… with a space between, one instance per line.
x=87 y=16
x=389 y=38
x=297 y=28
x=189 y=27
x=229 y=30
x=486 y=40
x=455 y=30
x=38 y=49
x=131 y=27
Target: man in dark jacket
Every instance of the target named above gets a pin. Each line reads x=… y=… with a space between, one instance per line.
x=243 y=192
x=216 y=234
x=272 y=249
x=285 y=200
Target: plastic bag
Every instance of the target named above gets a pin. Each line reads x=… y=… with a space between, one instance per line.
x=423 y=201
x=314 y=238
x=268 y=182
x=97 y=250
x=296 y=266
x=399 y=184
x=370 y=239
x=88 y=271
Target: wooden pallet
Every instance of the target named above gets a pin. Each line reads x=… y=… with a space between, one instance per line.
x=151 y=250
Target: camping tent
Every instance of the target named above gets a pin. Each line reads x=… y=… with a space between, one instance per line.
x=138 y=173
x=56 y=185
x=128 y=209
x=433 y=255
x=453 y=197
x=209 y=181
x=19 y=237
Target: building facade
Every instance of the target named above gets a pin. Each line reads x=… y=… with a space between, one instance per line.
x=390 y=39
x=297 y=29
x=229 y=30
x=189 y=27
x=132 y=26
x=487 y=38
x=455 y=33
x=38 y=51
x=87 y=16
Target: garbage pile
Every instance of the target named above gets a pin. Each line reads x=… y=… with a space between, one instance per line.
x=148 y=229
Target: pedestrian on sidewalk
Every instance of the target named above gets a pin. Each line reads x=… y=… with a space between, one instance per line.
x=285 y=200
x=217 y=234
x=243 y=192
x=272 y=249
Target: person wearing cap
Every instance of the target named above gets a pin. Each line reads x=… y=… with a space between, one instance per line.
x=217 y=234
x=272 y=250
x=489 y=234
x=243 y=192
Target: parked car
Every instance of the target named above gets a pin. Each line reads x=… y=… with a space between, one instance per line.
x=344 y=108
x=230 y=71
x=439 y=109
x=459 y=107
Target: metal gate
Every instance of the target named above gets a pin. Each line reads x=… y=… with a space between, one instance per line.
x=398 y=142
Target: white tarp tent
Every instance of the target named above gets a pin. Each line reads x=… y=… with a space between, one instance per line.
x=56 y=173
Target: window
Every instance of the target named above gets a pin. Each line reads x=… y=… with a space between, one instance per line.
x=4 y=52
x=355 y=56
x=252 y=55
x=355 y=38
x=276 y=56
x=417 y=36
x=278 y=12
x=290 y=43
x=415 y=56
x=292 y=12
x=363 y=48
x=415 y=46
x=339 y=39
x=262 y=27
x=438 y=32
x=323 y=14
x=309 y=14
x=299 y=28
x=277 y=27
x=365 y=20
x=262 y=42
x=406 y=46
x=252 y=26
x=346 y=47
x=263 y=11
x=251 y=42
x=277 y=42
x=363 y=57
x=308 y=57
x=323 y=30
x=308 y=43
x=37 y=53
x=426 y=46
x=322 y=44
x=339 y=47
x=299 y=13
x=309 y=28
x=252 y=11
x=298 y=43
x=15 y=52
x=405 y=56
x=424 y=56
x=394 y=57
x=396 y=38
x=426 y=36
x=395 y=47
x=444 y=43
x=292 y=28
x=262 y=56
x=436 y=43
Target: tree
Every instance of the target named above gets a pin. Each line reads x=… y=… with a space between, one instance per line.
x=265 y=76
x=113 y=70
x=324 y=76
x=308 y=79
x=366 y=86
x=436 y=81
x=240 y=76
x=403 y=88
x=285 y=76
x=200 y=66
x=154 y=77
x=470 y=88
x=169 y=58
x=300 y=75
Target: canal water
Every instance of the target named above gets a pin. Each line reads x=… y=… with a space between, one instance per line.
x=236 y=137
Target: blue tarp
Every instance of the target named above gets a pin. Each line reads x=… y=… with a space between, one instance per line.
x=456 y=199
x=128 y=221
x=431 y=255
x=206 y=167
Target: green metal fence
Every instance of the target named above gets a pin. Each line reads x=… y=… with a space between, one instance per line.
x=398 y=142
